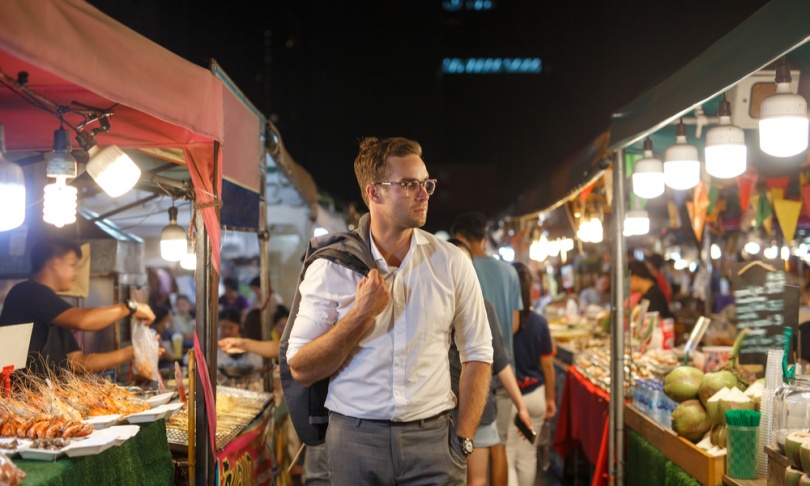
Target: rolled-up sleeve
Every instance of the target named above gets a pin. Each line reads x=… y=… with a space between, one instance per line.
x=318 y=308
x=473 y=337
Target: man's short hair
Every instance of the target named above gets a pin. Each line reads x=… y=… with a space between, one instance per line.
x=52 y=247
x=230 y=315
x=472 y=225
x=231 y=283
x=371 y=164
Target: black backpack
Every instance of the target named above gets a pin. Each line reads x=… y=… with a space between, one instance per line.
x=306 y=404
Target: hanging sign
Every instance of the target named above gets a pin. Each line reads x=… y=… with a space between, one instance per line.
x=764 y=304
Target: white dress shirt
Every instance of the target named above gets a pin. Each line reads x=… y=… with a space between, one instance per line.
x=399 y=370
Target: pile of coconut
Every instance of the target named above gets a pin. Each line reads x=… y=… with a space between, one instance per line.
x=704 y=400
x=797 y=450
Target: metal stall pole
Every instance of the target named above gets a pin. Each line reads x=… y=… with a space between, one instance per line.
x=207 y=288
x=707 y=257
x=616 y=446
x=264 y=267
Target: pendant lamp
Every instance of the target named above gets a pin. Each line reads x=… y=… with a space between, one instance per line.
x=59 y=205
x=648 y=174
x=726 y=152
x=636 y=223
x=681 y=164
x=12 y=191
x=173 y=242
x=783 y=123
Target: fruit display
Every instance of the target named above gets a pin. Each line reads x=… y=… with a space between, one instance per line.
x=797 y=450
x=704 y=399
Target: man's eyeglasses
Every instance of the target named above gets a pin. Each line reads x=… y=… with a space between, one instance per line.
x=413 y=186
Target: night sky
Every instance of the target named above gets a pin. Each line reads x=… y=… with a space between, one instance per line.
x=328 y=73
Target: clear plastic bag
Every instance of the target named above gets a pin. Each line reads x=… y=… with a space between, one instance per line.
x=147 y=351
x=10 y=475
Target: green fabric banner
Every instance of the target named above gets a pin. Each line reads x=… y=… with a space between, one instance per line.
x=142 y=460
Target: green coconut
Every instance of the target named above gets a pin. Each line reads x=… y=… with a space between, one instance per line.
x=682 y=383
x=711 y=405
x=733 y=400
x=713 y=383
x=804 y=455
x=754 y=392
x=792 y=476
x=690 y=420
x=718 y=435
x=793 y=444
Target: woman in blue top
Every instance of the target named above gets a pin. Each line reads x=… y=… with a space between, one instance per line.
x=534 y=369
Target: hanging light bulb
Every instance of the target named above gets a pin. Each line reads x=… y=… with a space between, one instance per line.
x=12 y=191
x=636 y=223
x=783 y=123
x=726 y=152
x=648 y=174
x=681 y=164
x=752 y=248
x=59 y=205
x=597 y=231
x=112 y=170
x=715 y=252
x=189 y=260
x=173 y=243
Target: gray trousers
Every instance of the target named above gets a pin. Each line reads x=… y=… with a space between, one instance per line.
x=364 y=452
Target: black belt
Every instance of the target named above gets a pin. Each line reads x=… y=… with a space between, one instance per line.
x=394 y=423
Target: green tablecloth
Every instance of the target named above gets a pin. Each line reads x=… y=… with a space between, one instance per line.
x=646 y=465
x=142 y=460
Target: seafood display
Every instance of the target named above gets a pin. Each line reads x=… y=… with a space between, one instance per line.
x=55 y=407
x=10 y=475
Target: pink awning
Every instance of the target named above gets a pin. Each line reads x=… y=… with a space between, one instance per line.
x=73 y=52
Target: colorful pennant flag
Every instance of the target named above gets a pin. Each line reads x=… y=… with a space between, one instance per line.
x=777 y=183
x=697 y=209
x=788 y=214
x=764 y=211
x=746 y=183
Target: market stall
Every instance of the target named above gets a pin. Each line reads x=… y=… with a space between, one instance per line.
x=725 y=221
x=125 y=93
x=741 y=66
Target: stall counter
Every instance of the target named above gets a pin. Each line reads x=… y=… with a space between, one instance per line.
x=142 y=460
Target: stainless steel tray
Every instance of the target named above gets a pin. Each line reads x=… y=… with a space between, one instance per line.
x=248 y=405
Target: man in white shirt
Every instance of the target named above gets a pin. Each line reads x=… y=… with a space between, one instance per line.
x=383 y=339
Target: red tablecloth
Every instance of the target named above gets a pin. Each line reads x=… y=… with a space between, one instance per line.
x=584 y=418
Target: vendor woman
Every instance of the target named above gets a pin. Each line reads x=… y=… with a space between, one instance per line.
x=53 y=266
x=643 y=282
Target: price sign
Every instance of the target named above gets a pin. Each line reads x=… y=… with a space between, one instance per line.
x=764 y=304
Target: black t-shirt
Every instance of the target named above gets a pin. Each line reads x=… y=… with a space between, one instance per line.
x=30 y=301
x=658 y=302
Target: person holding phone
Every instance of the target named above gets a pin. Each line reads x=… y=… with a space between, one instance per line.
x=534 y=368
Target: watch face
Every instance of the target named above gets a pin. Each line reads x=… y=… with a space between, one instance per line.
x=467 y=446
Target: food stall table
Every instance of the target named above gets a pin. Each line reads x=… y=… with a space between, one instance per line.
x=141 y=460
x=584 y=419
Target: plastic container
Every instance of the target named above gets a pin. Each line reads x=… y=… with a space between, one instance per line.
x=791 y=409
x=741 y=461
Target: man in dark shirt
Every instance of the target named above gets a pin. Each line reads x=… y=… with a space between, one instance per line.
x=53 y=267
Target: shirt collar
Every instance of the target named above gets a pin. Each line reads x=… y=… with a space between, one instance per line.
x=416 y=239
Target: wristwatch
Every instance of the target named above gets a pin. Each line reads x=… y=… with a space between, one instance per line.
x=132 y=306
x=467 y=446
